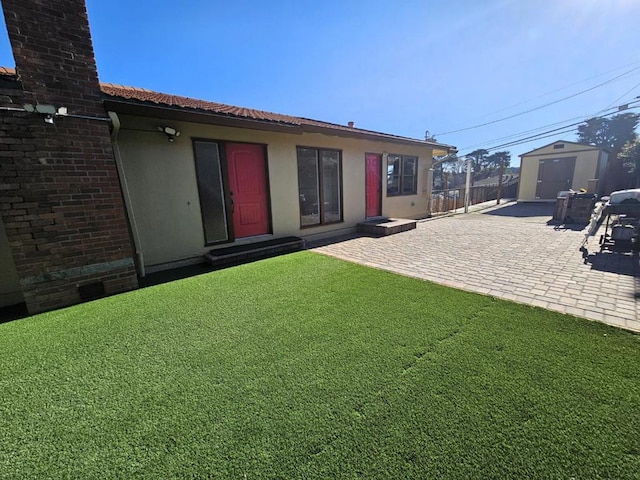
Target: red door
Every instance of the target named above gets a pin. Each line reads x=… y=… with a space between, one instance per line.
x=248 y=189
x=374 y=184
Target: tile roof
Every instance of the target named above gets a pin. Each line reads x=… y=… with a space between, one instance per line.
x=164 y=99
x=145 y=96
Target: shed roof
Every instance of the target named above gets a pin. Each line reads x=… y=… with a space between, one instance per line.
x=594 y=147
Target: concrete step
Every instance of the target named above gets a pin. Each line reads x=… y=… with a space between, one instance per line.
x=386 y=226
x=237 y=254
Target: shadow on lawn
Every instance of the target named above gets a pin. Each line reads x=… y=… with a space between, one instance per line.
x=16 y=312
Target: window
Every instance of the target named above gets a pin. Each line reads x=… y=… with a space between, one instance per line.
x=211 y=189
x=402 y=178
x=319 y=186
x=558 y=146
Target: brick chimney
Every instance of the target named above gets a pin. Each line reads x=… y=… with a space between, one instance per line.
x=60 y=195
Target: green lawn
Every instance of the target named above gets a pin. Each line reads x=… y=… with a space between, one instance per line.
x=304 y=366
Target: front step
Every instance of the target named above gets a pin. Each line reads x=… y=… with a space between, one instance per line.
x=386 y=226
x=237 y=254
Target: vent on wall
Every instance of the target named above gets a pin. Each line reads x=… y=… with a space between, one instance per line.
x=91 y=291
x=557 y=146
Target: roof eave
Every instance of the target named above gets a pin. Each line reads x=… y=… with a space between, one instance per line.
x=148 y=109
x=563 y=141
x=362 y=134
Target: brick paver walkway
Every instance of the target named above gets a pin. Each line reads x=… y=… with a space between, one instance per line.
x=510 y=252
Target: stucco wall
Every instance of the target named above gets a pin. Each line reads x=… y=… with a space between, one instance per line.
x=10 y=291
x=587 y=166
x=162 y=183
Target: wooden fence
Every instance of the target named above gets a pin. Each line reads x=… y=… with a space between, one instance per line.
x=453 y=198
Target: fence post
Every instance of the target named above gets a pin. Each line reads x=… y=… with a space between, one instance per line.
x=445 y=200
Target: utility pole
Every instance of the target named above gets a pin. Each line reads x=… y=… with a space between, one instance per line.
x=500 y=182
x=467 y=188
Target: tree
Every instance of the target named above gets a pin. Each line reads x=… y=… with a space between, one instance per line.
x=594 y=131
x=443 y=164
x=630 y=157
x=478 y=162
x=497 y=160
x=611 y=133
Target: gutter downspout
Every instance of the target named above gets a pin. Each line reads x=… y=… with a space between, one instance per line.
x=115 y=123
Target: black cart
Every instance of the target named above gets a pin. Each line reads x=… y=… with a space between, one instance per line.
x=622 y=227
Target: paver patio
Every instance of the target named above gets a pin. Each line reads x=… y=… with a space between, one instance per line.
x=510 y=252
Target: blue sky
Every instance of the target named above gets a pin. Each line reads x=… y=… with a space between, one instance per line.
x=397 y=66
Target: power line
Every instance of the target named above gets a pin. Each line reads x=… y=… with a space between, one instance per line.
x=552 y=133
x=554 y=91
x=548 y=133
x=582 y=119
x=623 y=95
x=515 y=135
x=555 y=131
x=572 y=129
x=539 y=107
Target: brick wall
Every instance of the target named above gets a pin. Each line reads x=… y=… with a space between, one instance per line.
x=60 y=195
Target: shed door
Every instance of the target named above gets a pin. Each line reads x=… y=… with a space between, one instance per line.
x=374 y=185
x=248 y=189
x=554 y=175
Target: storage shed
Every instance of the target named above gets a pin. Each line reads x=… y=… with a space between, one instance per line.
x=559 y=166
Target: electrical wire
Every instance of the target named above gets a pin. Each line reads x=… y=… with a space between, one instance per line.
x=525 y=132
x=539 y=107
x=624 y=95
x=582 y=118
x=554 y=131
x=548 y=133
x=553 y=91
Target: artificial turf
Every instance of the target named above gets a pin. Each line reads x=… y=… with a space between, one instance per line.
x=304 y=366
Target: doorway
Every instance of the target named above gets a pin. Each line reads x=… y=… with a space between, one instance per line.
x=554 y=175
x=373 y=185
x=248 y=189
x=234 y=190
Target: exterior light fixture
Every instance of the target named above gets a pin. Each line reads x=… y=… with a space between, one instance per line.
x=170 y=132
x=49 y=111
